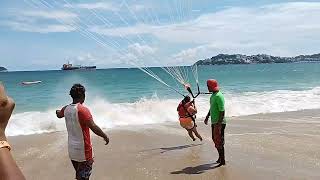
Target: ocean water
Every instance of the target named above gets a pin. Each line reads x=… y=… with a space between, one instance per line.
x=119 y=97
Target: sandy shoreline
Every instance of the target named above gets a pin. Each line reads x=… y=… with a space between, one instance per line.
x=269 y=146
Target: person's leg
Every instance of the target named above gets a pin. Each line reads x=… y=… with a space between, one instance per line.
x=222 y=162
x=75 y=165
x=84 y=170
x=191 y=134
x=221 y=156
x=196 y=133
x=213 y=136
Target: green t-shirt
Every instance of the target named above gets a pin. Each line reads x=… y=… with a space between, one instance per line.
x=216 y=106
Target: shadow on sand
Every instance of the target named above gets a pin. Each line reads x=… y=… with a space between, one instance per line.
x=197 y=169
x=167 y=149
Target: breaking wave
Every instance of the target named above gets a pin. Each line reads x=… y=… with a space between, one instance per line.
x=156 y=110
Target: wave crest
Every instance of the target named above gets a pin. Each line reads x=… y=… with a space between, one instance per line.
x=155 y=110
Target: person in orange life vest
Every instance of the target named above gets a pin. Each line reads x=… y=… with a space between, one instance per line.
x=187 y=110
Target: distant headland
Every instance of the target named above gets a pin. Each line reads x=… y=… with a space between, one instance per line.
x=256 y=59
x=3 y=69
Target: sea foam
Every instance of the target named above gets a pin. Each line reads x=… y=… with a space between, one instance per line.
x=157 y=110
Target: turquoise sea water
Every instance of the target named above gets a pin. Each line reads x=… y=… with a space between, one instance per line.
x=130 y=85
x=114 y=94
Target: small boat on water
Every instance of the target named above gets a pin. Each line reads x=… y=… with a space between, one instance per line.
x=3 y=69
x=30 y=82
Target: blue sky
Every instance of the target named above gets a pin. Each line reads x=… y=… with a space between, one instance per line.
x=42 y=34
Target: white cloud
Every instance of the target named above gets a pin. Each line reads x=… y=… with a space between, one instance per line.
x=186 y=56
x=51 y=15
x=141 y=50
x=85 y=59
x=139 y=55
x=97 y=5
x=109 y=6
x=125 y=31
x=42 y=15
x=281 y=29
x=40 y=21
x=138 y=7
x=20 y=26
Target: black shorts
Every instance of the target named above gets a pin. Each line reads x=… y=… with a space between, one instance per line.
x=83 y=169
x=223 y=127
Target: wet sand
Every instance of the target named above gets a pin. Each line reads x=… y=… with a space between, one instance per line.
x=268 y=146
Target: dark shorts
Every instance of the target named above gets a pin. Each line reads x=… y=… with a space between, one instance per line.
x=83 y=169
x=218 y=138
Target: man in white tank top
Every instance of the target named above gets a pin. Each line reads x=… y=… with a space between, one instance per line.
x=78 y=122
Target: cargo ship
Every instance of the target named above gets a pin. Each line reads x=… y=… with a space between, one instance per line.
x=69 y=66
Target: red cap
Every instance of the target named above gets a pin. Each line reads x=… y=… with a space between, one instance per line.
x=212 y=85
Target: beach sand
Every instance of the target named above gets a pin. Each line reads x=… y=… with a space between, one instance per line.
x=265 y=146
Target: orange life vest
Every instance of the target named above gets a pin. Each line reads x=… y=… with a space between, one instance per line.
x=186 y=110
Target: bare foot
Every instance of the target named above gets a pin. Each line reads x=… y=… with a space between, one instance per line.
x=218 y=161
x=222 y=163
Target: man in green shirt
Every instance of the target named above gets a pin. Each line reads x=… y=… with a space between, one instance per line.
x=218 y=121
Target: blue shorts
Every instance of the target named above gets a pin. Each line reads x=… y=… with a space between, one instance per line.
x=83 y=169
